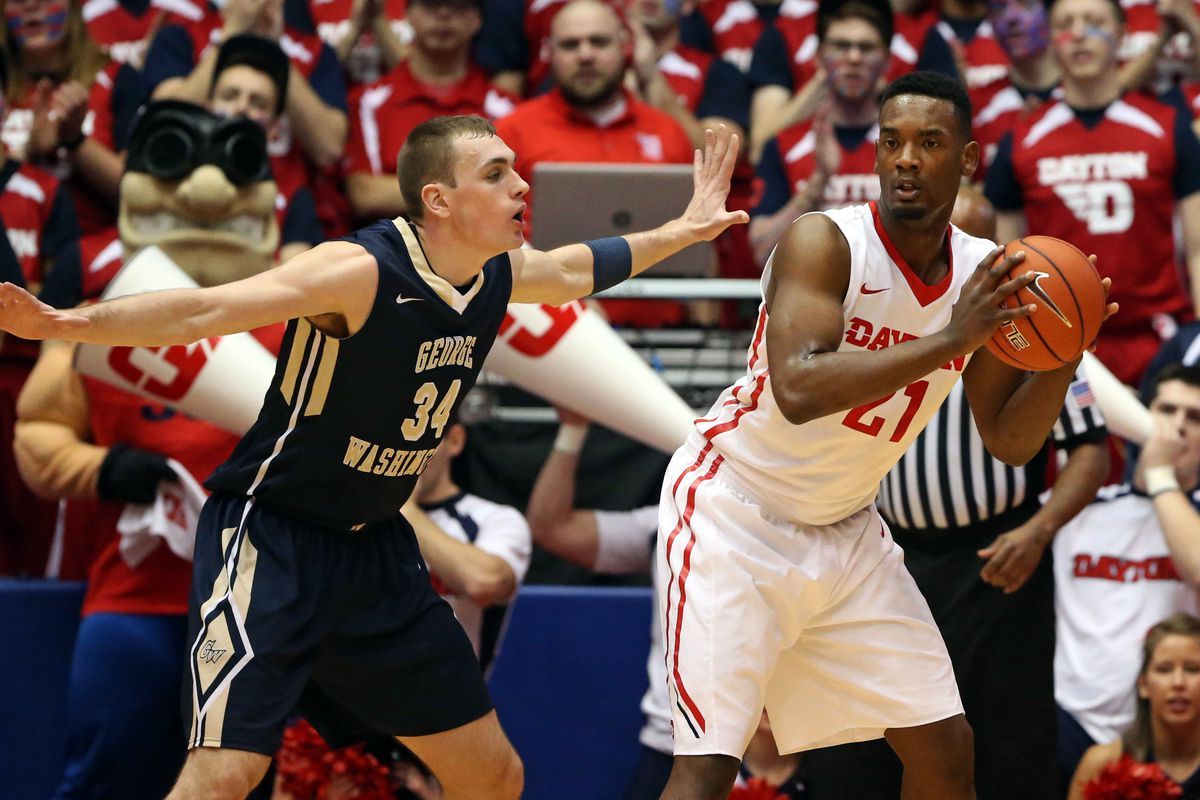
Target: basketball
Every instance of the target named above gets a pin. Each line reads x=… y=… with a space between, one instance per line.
x=1070 y=306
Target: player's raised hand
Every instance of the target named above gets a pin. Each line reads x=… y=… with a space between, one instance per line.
x=23 y=315
x=706 y=214
x=979 y=310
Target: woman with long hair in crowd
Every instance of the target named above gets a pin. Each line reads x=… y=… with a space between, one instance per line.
x=51 y=64
x=57 y=74
x=1159 y=755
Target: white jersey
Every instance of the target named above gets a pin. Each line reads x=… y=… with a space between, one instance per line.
x=1113 y=579
x=498 y=530
x=825 y=470
x=624 y=546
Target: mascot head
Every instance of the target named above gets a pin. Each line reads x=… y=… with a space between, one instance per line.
x=199 y=186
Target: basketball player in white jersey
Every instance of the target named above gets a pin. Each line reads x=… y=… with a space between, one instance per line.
x=778 y=582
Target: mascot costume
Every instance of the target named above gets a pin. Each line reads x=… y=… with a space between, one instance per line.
x=198 y=192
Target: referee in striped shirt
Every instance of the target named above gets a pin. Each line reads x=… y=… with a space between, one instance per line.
x=975 y=538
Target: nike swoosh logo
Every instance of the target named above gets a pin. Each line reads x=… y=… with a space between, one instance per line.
x=401 y=299
x=1036 y=289
x=865 y=290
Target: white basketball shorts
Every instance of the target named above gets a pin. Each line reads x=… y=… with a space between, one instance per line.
x=821 y=625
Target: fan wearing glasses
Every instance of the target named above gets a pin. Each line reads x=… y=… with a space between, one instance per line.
x=828 y=160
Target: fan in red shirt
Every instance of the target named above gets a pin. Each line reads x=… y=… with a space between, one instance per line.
x=39 y=226
x=729 y=29
x=437 y=79
x=1159 y=47
x=1022 y=29
x=965 y=26
x=828 y=161
x=589 y=116
x=123 y=28
x=1107 y=170
x=698 y=90
x=370 y=37
x=787 y=80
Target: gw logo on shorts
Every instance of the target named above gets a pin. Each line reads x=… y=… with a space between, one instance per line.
x=210 y=654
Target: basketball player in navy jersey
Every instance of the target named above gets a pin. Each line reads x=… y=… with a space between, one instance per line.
x=778 y=583
x=308 y=586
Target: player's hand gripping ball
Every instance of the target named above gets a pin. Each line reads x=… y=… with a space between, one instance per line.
x=1070 y=306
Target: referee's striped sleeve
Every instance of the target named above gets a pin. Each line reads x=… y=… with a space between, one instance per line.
x=948 y=479
x=1080 y=420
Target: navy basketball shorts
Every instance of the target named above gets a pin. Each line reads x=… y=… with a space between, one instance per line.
x=343 y=626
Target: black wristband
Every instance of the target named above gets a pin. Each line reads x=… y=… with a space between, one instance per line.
x=612 y=262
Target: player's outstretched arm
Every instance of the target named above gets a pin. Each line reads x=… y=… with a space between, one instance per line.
x=810 y=378
x=577 y=270
x=1015 y=410
x=333 y=278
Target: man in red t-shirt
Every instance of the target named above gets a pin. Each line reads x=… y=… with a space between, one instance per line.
x=1022 y=29
x=369 y=36
x=1107 y=170
x=786 y=78
x=123 y=28
x=589 y=116
x=437 y=79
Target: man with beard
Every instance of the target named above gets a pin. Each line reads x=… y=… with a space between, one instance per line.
x=828 y=161
x=588 y=115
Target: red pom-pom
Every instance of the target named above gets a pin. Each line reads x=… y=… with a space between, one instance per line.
x=756 y=789
x=1126 y=779
x=309 y=770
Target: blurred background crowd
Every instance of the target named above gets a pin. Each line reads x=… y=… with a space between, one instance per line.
x=1065 y=589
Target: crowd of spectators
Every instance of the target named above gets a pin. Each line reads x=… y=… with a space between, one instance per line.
x=1085 y=111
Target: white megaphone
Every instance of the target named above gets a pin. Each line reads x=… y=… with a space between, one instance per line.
x=222 y=379
x=571 y=357
x=567 y=355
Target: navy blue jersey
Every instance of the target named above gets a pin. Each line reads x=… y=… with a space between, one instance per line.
x=348 y=424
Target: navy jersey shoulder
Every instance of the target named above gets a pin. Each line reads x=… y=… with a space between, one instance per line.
x=348 y=424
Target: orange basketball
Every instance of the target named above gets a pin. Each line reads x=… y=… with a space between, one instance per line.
x=1070 y=306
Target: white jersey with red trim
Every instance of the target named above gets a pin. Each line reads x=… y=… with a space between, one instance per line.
x=1113 y=579
x=824 y=470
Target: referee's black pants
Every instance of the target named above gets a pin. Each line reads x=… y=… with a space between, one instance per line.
x=1002 y=648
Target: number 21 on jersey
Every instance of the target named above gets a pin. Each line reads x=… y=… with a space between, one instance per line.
x=876 y=424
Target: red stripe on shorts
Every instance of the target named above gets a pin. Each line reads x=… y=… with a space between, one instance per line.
x=685 y=522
